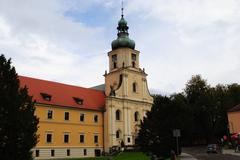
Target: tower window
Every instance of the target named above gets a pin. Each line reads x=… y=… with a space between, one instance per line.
x=136 y=116
x=133 y=64
x=114 y=58
x=129 y=139
x=134 y=87
x=114 y=65
x=134 y=57
x=118 y=114
x=118 y=134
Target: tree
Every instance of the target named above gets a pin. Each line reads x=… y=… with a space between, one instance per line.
x=18 y=124
x=156 y=133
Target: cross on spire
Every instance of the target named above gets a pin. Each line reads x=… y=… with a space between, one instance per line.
x=122 y=8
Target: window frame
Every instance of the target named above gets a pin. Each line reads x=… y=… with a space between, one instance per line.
x=82 y=114
x=118 y=134
x=48 y=133
x=83 y=135
x=85 y=152
x=68 y=152
x=134 y=87
x=51 y=111
x=118 y=115
x=66 y=116
x=52 y=153
x=95 y=120
x=136 y=116
x=37 y=153
x=96 y=138
x=68 y=138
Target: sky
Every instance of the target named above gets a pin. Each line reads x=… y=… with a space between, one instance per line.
x=67 y=40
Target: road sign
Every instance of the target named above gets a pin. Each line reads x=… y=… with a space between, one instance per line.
x=176 y=133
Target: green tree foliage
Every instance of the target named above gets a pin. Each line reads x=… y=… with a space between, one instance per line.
x=200 y=112
x=156 y=133
x=18 y=125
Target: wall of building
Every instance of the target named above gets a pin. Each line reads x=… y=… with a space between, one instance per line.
x=234 y=121
x=58 y=127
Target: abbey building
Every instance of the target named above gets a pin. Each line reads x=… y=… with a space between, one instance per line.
x=83 y=122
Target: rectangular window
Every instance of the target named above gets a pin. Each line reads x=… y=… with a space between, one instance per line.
x=85 y=152
x=37 y=153
x=66 y=115
x=134 y=57
x=49 y=138
x=95 y=138
x=66 y=138
x=68 y=152
x=114 y=58
x=95 y=118
x=52 y=153
x=50 y=114
x=82 y=117
x=129 y=140
x=81 y=138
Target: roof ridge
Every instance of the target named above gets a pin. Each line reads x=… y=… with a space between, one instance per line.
x=60 y=83
x=235 y=108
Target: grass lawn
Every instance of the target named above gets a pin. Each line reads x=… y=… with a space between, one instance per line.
x=131 y=156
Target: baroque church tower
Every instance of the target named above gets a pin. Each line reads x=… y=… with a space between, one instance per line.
x=127 y=95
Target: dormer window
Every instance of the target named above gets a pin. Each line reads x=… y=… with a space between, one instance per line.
x=46 y=97
x=78 y=100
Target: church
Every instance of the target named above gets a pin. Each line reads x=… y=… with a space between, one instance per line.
x=84 y=122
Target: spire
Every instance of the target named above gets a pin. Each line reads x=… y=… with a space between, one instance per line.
x=122 y=9
x=123 y=40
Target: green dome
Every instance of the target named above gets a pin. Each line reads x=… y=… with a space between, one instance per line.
x=122 y=40
x=122 y=22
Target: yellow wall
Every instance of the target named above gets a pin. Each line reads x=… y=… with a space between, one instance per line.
x=234 y=121
x=58 y=127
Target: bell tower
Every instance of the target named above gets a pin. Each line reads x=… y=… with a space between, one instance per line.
x=127 y=95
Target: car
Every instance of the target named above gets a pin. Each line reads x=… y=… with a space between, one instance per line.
x=212 y=148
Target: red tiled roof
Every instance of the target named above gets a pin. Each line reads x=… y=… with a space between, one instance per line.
x=235 y=108
x=62 y=94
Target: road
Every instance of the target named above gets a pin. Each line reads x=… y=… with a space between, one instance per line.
x=200 y=154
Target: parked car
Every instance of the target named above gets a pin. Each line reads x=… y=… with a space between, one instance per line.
x=212 y=148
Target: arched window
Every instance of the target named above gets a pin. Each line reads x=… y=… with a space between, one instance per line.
x=134 y=87
x=114 y=65
x=136 y=116
x=118 y=114
x=133 y=64
x=118 y=134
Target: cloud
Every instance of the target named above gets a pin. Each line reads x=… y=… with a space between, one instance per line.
x=187 y=37
x=44 y=43
x=177 y=39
